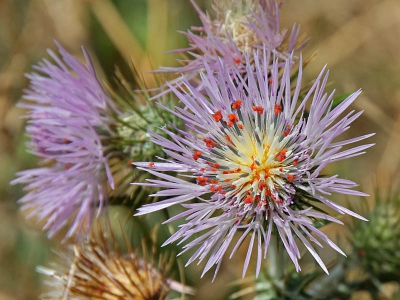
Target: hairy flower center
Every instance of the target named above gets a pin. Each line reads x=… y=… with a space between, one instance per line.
x=244 y=38
x=248 y=164
x=232 y=27
x=258 y=173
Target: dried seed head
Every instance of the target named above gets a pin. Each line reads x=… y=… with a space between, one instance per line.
x=95 y=270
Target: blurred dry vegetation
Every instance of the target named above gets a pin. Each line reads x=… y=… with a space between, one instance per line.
x=358 y=39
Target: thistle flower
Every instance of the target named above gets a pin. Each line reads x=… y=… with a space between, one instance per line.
x=240 y=28
x=256 y=156
x=69 y=115
x=97 y=270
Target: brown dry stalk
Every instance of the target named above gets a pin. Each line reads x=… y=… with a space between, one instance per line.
x=122 y=37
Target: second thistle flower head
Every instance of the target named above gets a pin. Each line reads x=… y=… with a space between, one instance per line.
x=255 y=155
x=69 y=115
x=249 y=24
x=240 y=28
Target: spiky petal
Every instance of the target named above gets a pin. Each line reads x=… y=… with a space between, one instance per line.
x=259 y=155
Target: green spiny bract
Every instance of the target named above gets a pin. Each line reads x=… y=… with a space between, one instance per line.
x=377 y=242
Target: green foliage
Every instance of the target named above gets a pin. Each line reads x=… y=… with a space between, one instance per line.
x=339 y=99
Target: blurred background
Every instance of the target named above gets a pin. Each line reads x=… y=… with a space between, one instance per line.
x=358 y=39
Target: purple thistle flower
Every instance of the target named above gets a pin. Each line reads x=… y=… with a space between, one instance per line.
x=259 y=154
x=69 y=114
x=240 y=28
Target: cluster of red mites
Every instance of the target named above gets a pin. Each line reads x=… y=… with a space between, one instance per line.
x=209 y=143
x=249 y=199
x=215 y=188
x=281 y=155
x=290 y=177
x=232 y=171
x=258 y=109
x=232 y=119
x=201 y=180
x=237 y=104
x=214 y=167
x=287 y=131
x=196 y=155
x=217 y=116
x=262 y=185
x=277 y=108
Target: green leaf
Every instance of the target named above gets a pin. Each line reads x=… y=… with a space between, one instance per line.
x=339 y=99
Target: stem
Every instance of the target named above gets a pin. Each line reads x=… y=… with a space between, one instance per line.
x=327 y=285
x=276 y=261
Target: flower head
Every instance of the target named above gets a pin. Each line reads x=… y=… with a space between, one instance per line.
x=69 y=115
x=96 y=269
x=240 y=28
x=254 y=156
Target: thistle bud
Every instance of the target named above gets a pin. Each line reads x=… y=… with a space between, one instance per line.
x=132 y=142
x=377 y=242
